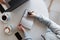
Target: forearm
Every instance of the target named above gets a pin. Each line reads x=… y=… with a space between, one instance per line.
x=43 y=20
x=52 y=25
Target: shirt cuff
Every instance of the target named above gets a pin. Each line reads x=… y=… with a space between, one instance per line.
x=27 y=36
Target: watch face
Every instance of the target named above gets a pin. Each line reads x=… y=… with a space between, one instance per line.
x=15 y=3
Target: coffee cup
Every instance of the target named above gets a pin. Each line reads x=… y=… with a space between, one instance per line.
x=5 y=17
x=9 y=29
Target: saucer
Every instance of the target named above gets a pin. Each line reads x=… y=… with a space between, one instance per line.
x=8 y=15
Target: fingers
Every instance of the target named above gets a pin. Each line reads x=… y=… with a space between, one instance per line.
x=1 y=1
x=19 y=24
x=18 y=27
x=31 y=14
x=21 y=28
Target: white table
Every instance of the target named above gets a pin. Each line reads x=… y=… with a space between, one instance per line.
x=37 y=29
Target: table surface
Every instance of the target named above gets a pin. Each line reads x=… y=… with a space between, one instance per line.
x=39 y=7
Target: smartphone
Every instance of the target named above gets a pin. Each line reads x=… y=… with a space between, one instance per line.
x=18 y=36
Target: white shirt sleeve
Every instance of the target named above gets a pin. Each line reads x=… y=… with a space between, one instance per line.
x=27 y=36
x=55 y=28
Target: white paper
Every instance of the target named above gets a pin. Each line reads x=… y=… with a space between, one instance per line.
x=27 y=22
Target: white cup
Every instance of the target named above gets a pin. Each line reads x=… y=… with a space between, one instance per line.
x=5 y=17
x=9 y=29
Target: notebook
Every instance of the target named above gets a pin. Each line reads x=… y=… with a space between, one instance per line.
x=26 y=21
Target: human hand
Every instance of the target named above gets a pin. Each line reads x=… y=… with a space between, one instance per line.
x=2 y=2
x=31 y=14
x=21 y=28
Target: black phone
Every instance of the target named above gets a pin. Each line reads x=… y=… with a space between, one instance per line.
x=18 y=36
